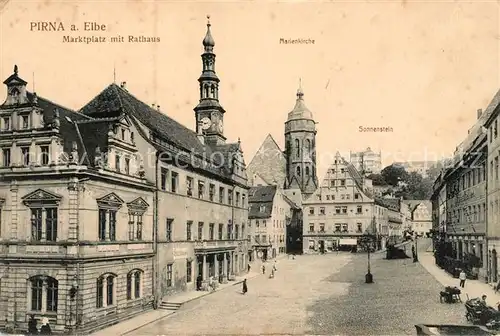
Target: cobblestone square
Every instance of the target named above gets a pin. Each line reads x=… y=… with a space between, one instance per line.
x=319 y=294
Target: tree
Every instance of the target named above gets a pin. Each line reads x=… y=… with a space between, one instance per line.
x=393 y=174
x=377 y=179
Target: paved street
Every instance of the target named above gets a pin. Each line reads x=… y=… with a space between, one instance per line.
x=319 y=295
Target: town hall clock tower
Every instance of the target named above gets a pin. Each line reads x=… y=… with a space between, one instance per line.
x=209 y=113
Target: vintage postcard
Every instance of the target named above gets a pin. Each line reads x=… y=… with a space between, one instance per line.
x=249 y=167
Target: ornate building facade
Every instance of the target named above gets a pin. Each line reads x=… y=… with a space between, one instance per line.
x=109 y=210
x=338 y=213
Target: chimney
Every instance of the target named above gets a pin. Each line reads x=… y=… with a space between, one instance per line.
x=158 y=108
x=479 y=113
x=199 y=133
x=153 y=105
x=123 y=85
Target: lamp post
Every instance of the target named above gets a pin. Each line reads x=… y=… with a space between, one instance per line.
x=366 y=241
x=415 y=255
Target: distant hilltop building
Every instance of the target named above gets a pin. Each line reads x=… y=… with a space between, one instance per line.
x=367 y=161
x=420 y=167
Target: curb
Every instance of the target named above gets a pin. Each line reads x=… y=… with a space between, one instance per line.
x=190 y=300
x=145 y=324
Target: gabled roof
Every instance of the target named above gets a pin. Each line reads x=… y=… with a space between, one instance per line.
x=268 y=163
x=393 y=204
x=262 y=194
x=413 y=204
x=67 y=119
x=114 y=101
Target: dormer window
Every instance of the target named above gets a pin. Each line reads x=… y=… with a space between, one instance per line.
x=132 y=137
x=6 y=123
x=24 y=122
x=123 y=134
x=127 y=166
x=262 y=208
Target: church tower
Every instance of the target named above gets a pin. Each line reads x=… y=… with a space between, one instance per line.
x=209 y=113
x=300 y=148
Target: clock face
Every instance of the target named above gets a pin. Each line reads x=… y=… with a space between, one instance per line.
x=205 y=123
x=220 y=126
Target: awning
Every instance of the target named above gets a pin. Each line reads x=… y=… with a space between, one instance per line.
x=348 y=241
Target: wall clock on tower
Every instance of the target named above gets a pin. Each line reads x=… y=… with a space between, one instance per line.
x=205 y=123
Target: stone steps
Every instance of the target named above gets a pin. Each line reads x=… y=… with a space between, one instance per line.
x=169 y=306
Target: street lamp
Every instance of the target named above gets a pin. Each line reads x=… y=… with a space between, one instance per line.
x=415 y=255
x=366 y=241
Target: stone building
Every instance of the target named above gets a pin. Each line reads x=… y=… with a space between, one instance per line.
x=340 y=211
x=492 y=172
x=270 y=214
x=367 y=161
x=132 y=207
x=466 y=208
x=420 y=216
x=77 y=233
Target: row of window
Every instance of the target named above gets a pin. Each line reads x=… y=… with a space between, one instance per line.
x=331 y=197
x=44 y=291
x=470 y=179
x=105 y=288
x=469 y=214
x=263 y=239
x=308 y=147
x=27 y=156
x=338 y=210
x=169 y=181
x=24 y=122
x=232 y=231
x=107 y=225
x=276 y=223
x=338 y=227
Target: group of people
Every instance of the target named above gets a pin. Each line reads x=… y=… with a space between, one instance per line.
x=44 y=329
x=463 y=277
x=244 y=290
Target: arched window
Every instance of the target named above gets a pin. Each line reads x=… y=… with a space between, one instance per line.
x=134 y=284
x=298 y=171
x=307 y=171
x=43 y=294
x=308 y=146
x=206 y=90
x=297 y=147
x=212 y=91
x=105 y=295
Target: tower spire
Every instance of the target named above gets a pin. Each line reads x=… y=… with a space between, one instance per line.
x=300 y=92
x=209 y=113
x=208 y=41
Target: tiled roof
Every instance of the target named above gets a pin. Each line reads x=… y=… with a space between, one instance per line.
x=357 y=177
x=389 y=203
x=67 y=127
x=262 y=194
x=114 y=100
x=255 y=213
x=269 y=163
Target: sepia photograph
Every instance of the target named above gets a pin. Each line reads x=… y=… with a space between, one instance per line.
x=256 y=167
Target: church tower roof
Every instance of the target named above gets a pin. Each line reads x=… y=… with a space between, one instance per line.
x=208 y=41
x=300 y=111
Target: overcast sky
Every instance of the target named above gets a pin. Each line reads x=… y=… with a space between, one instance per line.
x=422 y=68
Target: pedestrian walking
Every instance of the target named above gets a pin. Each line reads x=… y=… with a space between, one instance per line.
x=248 y=267
x=462 y=277
x=263 y=269
x=245 y=288
x=274 y=267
